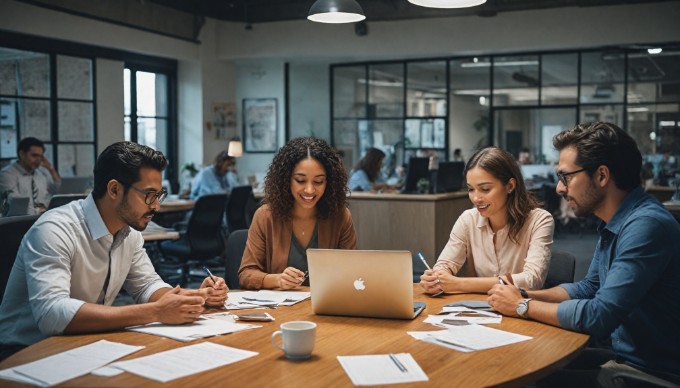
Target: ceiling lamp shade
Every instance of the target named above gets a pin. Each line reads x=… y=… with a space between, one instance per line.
x=447 y=3
x=336 y=11
x=235 y=149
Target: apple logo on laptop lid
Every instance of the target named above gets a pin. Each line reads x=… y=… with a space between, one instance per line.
x=359 y=284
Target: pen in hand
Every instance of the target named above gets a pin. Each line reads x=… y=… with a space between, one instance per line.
x=420 y=255
x=207 y=270
x=500 y=280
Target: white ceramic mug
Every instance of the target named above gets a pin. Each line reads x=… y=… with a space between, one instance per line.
x=298 y=339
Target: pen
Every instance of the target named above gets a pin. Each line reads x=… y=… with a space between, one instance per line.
x=428 y=267
x=207 y=270
x=398 y=363
x=500 y=280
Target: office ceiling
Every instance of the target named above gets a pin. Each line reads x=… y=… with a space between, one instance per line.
x=264 y=11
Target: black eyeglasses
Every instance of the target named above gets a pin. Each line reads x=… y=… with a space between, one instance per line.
x=151 y=195
x=562 y=176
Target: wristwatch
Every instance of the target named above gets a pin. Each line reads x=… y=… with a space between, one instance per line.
x=524 y=293
x=523 y=308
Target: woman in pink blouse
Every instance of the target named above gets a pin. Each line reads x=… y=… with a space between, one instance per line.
x=505 y=237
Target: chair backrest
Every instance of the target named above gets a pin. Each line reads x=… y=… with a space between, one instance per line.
x=236 y=244
x=63 y=199
x=204 y=230
x=236 y=207
x=562 y=265
x=12 y=230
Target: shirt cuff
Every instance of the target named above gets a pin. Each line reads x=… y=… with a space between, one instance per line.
x=146 y=295
x=569 y=313
x=55 y=323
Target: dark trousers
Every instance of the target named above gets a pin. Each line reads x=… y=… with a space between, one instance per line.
x=8 y=350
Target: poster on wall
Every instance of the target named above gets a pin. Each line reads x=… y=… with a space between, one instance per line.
x=260 y=126
x=224 y=120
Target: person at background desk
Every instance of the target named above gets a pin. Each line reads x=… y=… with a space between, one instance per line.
x=505 y=234
x=75 y=259
x=31 y=176
x=305 y=206
x=220 y=177
x=632 y=286
x=366 y=173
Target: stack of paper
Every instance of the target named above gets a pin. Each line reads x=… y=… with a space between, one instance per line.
x=469 y=338
x=456 y=316
x=380 y=369
x=184 y=361
x=199 y=329
x=264 y=299
x=68 y=365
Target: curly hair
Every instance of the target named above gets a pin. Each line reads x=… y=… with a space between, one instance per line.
x=277 y=192
x=370 y=163
x=600 y=143
x=503 y=167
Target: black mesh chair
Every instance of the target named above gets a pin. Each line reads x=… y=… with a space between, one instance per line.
x=201 y=244
x=236 y=244
x=12 y=230
x=236 y=207
x=562 y=267
x=63 y=199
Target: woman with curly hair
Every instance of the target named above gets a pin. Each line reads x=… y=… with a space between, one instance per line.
x=305 y=206
x=505 y=237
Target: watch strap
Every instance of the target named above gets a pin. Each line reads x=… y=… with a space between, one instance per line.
x=523 y=292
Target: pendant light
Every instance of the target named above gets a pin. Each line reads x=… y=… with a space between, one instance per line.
x=447 y=3
x=336 y=11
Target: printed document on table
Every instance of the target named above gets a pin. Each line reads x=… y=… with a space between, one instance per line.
x=181 y=362
x=264 y=298
x=68 y=365
x=464 y=315
x=199 y=329
x=471 y=337
x=380 y=369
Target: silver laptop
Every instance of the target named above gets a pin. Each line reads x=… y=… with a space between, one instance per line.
x=18 y=206
x=375 y=284
x=75 y=184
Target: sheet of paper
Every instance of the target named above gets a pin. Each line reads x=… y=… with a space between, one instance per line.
x=478 y=337
x=427 y=336
x=464 y=314
x=264 y=299
x=201 y=328
x=69 y=364
x=379 y=369
x=181 y=362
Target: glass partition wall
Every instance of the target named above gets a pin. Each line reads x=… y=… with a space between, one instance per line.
x=515 y=101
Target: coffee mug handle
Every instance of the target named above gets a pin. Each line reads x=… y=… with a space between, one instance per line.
x=274 y=334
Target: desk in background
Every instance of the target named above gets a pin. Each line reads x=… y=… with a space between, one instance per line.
x=413 y=222
x=662 y=193
x=550 y=349
x=173 y=211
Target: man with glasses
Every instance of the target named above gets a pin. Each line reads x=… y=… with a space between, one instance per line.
x=76 y=258
x=631 y=290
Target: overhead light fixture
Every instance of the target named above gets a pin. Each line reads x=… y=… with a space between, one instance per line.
x=476 y=63
x=336 y=11
x=447 y=3
x=654 y=51
x=235 y=148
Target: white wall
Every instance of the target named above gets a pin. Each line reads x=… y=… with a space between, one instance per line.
x=309 y=100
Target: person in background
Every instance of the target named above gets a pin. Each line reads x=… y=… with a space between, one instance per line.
x=366 y=173
x=506 y=235
x=630 y=293
x=524 y=156
x=220 y=177
x=31 y=176
x=305 y=206
x=75 y=259
x=457 y=155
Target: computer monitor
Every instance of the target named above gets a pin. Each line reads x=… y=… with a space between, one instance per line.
x=75 y=185
x=416 y=170
x=450 y=176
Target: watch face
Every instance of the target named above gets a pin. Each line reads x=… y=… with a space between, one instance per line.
x=522 y=308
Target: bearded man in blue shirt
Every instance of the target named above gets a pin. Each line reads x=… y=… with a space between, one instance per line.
x=632 y=288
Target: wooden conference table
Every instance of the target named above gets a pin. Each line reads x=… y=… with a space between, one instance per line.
x=514 y=365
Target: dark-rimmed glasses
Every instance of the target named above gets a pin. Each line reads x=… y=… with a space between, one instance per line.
x=151 y=195
x=562 y=176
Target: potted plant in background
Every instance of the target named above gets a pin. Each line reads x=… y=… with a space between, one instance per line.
x=188 y=173
x=423 y=186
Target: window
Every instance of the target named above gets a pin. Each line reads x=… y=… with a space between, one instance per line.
x=50 y=97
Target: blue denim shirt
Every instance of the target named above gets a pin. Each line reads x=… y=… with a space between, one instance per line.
x=632 y=289
x=208 y=182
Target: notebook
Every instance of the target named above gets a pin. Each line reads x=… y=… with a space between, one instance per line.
x=374 y=284
x=18 y=206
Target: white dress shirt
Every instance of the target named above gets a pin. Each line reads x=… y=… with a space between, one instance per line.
x=15 y=178
x=62 y=264
x=472 y=240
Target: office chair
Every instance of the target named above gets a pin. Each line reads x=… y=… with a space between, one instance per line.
x=633 y=379
x=199 y=245
x=562 y=267
x=12 y=230
x=236 y=244
x=63 y=199
x=236 y=207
